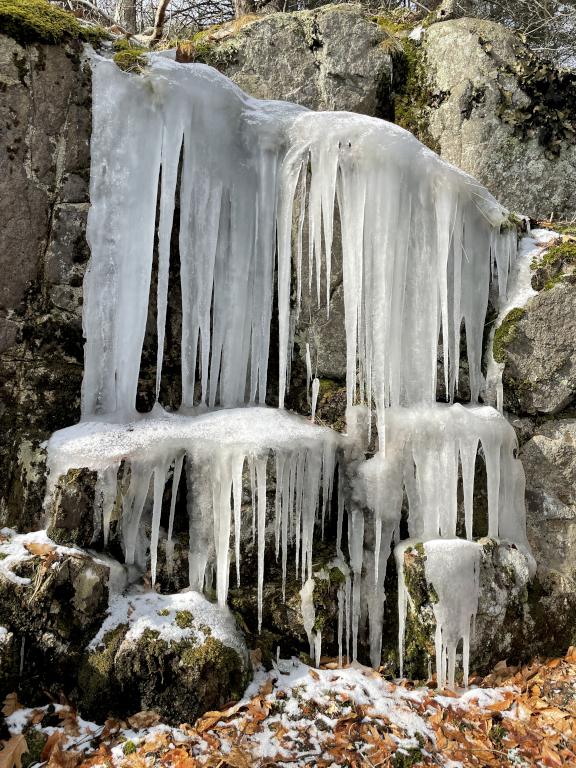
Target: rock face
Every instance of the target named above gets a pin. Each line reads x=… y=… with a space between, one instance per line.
x=328 y=59
x=483 y=89
x=503 y=115
x=44 y=173
x=179 y=655
x=549 y=459
x=52 y=600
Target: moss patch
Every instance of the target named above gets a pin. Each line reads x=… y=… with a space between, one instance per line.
x=37 y=21
x=505 y=334
x=95 y=678
x=128 y=57
x=565 y=252
x=184 y=619
x=413 y=96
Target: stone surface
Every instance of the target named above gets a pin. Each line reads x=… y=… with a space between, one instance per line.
x=502 y=115
x=44 y=171
x=52 y=600
x=540 y=354
x=328 y=59
x=178 y=655
x=549 y=459
x=72 y=508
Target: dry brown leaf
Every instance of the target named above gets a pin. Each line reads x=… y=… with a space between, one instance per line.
x=11 y=704
x=52 y=742
x=144 y=719
x=41 y=550
x=13 y=749
x=266 y=687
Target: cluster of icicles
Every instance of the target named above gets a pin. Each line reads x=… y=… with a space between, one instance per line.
x=420 y=243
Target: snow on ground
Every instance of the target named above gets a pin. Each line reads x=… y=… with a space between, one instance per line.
x=294 y=715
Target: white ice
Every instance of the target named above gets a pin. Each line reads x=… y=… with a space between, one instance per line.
x=421 y=242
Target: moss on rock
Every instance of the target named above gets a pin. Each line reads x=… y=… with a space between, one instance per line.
x=505 y=333
x=96 y=673
x=37 y=21
x=128 y=57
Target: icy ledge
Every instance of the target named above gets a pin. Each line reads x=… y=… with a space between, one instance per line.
x=218 y=447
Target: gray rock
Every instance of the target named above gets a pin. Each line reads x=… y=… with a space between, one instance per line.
x=44 y=172
x=185 y=657
x=539 y=352
x=72 y=508
x=502 y=115
x=503 y=623
x=52 y=600
x=328 y=59
x=549 y=460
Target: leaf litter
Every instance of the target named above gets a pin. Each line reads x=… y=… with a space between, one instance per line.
x=353 y=716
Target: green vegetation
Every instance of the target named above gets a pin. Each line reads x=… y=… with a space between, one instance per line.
x=184 y=619
x=36 y=21
x=413 y=96
x=565 y=252
x=129 y=57
x=129 y=747
x=505 y=334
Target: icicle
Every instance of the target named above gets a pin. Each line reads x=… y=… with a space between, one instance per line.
x=356 y=549
x=309 y=619
x=261 y=480
x=452 y=567
x=315 y=391
x=308 y=372
x=175 y=484
x=159 y=483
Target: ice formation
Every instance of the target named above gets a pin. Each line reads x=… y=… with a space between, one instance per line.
x=421 y=242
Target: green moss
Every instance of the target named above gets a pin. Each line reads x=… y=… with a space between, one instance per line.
x=164 y=612
x=406 y=758
x=37 y=21
x=565 y=229
x=413 y=96
x=505 y=334
x=3 y=555
x=131 y=59
x=129 y=747
x=184 y=619
x=565 y=252
x=96 y=671
x=393 y=24
x=35 y=741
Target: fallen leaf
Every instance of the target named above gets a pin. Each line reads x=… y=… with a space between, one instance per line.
x=11 y=704
x=41 y=550
x=14 y=748
x=145 y=719
x=52 y=742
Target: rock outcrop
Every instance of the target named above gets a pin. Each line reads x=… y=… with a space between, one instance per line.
x=327 y=59
x=52 y=600
x=482 y=87
x=44 y=175
x=502 y=114
x=179 y=655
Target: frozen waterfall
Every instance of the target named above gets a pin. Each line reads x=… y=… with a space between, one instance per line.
x=421 y=242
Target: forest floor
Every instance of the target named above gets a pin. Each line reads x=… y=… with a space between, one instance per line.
x=299 y=716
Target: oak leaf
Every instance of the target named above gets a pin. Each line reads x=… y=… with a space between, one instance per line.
x=14 y=748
